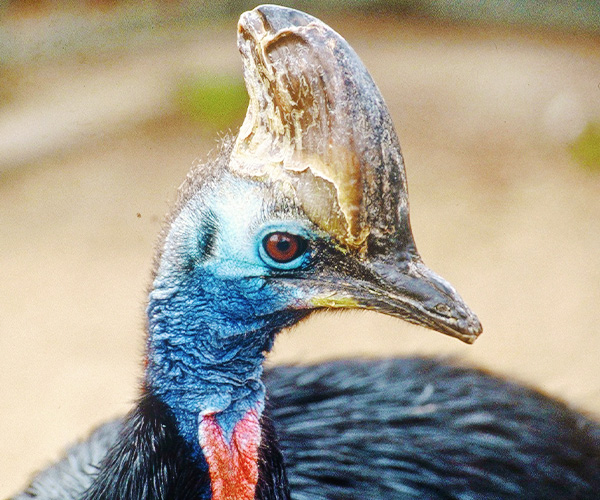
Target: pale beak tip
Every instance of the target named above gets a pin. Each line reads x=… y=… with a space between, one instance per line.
x=469 y=329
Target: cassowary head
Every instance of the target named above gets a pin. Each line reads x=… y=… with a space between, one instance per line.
x=308 y=208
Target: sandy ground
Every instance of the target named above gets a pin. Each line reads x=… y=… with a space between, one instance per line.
x=498 y=208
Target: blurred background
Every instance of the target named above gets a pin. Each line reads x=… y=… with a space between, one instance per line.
x=104 y=105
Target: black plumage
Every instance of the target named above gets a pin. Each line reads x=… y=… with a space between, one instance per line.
x=421 y=428
x=398 y=428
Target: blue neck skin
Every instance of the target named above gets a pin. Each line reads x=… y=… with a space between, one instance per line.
x=207 y=340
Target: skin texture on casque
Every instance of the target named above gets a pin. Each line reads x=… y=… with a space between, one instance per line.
x=204 y=426
x=317 y=122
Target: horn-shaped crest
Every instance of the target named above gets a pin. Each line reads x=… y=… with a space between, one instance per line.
x=317 y=122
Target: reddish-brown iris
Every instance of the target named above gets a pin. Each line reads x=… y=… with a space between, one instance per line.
x=284 y=247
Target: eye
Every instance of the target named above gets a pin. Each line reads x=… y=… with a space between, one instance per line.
x=284 y=247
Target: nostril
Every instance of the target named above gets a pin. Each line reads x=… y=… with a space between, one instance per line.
x=443 y=309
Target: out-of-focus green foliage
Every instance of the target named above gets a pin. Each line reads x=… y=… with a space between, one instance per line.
x=217 y=101
x=586 y=148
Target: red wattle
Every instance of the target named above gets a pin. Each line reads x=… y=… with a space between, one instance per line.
x=233 y=467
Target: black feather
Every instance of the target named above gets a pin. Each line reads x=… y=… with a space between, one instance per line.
x=395 y=429
x=272 y=478
x=418 y=428
x=149 y=461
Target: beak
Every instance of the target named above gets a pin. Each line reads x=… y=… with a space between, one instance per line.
x=318 y=125
x=408 y=290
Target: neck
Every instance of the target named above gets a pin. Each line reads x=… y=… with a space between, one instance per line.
x=197 y=370
x=205 y=364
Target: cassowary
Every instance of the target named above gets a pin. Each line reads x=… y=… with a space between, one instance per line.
x=307 y=209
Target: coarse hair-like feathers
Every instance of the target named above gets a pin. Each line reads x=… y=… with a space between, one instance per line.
x=401 y=428
x=419 y=428
x=142 y=457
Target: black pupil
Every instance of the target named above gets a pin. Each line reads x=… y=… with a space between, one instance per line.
x=284 y=246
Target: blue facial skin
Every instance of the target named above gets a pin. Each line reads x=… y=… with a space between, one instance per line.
x=212 y=313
